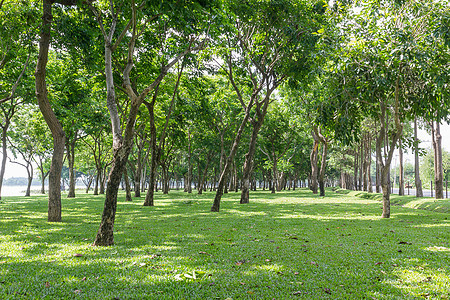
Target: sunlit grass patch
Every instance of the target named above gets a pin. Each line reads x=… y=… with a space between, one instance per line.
x=283 y=246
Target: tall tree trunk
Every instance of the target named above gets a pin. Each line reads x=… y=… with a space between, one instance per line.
x=314 y=157
x=30 y=179
x=355 y=171
x=71 y=160
x=401 y=180
x=363 y=146
x=222 y=180
x=248 y=163
x=154 y=151
x=54 y=189
x=369 y=162
x=189 y=175
x=438 y=169
x=377 y=176
x=127 y=185
x=323 y=165
x=4 y=155
x=418 y=182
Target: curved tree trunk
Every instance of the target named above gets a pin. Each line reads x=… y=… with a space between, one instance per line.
x=54 y=198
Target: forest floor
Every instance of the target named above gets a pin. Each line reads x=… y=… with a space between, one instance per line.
x=288 y=245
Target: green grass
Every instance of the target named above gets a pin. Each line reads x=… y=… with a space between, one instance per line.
x=291 y=245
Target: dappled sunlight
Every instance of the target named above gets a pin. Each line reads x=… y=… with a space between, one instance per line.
x=438 y=249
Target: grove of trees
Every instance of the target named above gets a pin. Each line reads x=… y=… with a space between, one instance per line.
x=224 y=95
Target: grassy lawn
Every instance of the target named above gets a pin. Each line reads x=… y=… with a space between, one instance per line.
x=291 y=245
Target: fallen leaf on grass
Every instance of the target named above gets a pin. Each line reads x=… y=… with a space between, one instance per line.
x=78 y=255
x=46 y=284
x=378 y=263
x=327 y=290
x=240 y=262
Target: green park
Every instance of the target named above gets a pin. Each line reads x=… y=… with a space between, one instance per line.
x=224 y=149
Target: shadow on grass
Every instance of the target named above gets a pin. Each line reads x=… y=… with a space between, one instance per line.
x=291 y=244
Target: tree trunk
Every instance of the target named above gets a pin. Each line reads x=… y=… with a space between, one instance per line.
x=222 y=180
x=355 y=171
x=127 y=185
x=54 y=193
x=386 y=192
x=401 y=180
x=30 y=179
x=97 y=180
x=438 y=170
x=418 y=182
x=71 y=160
x=4 y=155
x=248 y=163
x=369 y=163
x=314 y=160
x=323 y=165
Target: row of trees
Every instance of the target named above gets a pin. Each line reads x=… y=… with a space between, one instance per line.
x=225 y=94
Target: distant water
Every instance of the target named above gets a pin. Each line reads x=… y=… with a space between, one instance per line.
x=17 y=190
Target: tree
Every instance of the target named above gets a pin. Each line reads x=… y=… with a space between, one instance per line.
x=59 y=138
x=153 y=17
x=16 y=48
x=266 y=42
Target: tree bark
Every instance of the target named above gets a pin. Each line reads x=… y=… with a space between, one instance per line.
x=222 y=180
x=314 y=157
x=248 y=163
x=4 y=154
x=401 y=180
x=70 y=146
x=438 y=169
x=127 y=186
x=54 y=194
x=418 y=182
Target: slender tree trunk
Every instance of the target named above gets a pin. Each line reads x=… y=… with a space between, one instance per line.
x=54 y=194
x=369 y=163
x=71 y=160
x=314 y=157
x=127 y=185
x=155 y=152
x=418 y=182
x=248 y=163
x=401 y=180
x=4 y=155
x=98 y=178
x=323 y=165
x=222 y=180
x=355 y=171
x=189 y=175
x=438 y=170
x=30 y=179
